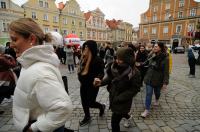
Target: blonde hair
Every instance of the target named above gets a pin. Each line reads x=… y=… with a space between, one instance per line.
x=27 y=26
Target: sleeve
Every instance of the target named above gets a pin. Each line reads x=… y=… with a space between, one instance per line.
x=166 y=71
x=99 y=68
x=132 y=90
x=53 y=99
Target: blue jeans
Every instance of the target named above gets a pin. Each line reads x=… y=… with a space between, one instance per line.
x=149 y=93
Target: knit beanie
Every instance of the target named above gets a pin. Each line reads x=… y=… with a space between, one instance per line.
x=126 y=55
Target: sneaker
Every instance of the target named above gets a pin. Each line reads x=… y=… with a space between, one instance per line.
x=156 y=103
x=145 y=114
x=102 y=110
x=85 y=121
x=127 y=122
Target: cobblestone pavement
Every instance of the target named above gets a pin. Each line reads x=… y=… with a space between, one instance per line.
x=179 y=109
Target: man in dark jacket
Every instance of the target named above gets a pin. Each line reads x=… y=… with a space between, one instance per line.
x=124 y=80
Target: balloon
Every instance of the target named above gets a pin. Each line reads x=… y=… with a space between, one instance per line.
x=19 y=2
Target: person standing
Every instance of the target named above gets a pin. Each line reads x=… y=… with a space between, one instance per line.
x=70 y=58
x=124 y=81
x=191 y=62
x=157 y=76
x=91 y=66
x=39 y=97
x=141 y=57
x=109 y=53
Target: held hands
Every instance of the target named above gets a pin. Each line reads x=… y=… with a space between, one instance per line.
x=96 y=82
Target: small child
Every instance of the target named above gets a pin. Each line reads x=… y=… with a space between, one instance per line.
x=124 y=83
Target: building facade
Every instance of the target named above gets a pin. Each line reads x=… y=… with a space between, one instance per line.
x=8 y=12
x=170 y=21
x=96 y=28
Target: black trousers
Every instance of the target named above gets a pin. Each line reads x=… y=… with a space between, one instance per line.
x=88 y=98
x=192 y=63
x=115 y=121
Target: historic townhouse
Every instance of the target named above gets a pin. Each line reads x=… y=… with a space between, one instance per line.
x=8 y=12
x=170 y=21
x=96 y=26
x=73 y=20
x=128 y=32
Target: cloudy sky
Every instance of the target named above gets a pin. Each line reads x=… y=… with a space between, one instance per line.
x=126 y=10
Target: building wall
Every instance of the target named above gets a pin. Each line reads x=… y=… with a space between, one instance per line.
x=169 y=20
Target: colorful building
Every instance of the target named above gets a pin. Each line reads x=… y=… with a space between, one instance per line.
x=170 y=21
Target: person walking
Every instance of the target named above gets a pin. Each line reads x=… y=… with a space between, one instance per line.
x=141 y=57
x=191 y=62
x=39 y=97
x=91 y=66
x=124 y=81
x=157 y=76
x=70 y=58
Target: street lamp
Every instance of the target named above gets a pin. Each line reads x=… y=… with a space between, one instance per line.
x=60 y=7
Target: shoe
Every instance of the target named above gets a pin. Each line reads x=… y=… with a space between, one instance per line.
x=1 y=112
x=156 y=103
x=102 y=110
x=68 y=130
x=127 y=122
x=191 y=76
x=145 y=114
x=85 y=121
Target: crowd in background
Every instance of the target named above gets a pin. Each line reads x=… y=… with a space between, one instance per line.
x=123 y=69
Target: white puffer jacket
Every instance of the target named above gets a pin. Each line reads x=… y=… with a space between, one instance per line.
x=40 y=93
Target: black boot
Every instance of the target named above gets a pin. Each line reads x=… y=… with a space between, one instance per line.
x=102 y=110
x=85 y=121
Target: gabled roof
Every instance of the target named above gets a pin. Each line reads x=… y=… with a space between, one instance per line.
x=87 y=15
x=113 y=24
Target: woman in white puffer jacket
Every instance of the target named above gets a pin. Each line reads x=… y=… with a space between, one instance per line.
x=40 y=100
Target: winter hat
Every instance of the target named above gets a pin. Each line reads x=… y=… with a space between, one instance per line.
x=92 y=45
x=126 y=55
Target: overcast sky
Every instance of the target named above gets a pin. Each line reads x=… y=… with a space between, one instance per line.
x=126 y=10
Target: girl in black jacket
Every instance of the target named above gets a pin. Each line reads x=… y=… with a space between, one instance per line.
x=124 y=81
x=91 y=66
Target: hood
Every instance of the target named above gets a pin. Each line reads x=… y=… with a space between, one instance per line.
x=40 y=53
x=92 y=45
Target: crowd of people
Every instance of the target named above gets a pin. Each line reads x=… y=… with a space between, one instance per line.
x=30 y=69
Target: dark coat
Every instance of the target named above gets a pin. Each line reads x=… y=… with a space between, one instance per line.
x=158 y=71
x=123 y=91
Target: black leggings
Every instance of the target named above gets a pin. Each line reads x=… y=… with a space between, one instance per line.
x=88 y=99
x=115 y=121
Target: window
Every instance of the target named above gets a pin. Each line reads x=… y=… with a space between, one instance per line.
x=167 y=15
x=5 y=27
x=41 y=3
x=153 y=31
x=154 y=18
x=180 y=14
x=74 y=32
x=165 y=29
x=55 y=19
x=181 y=3
x=80 y=24
x=93 y=34
x=73 y=22
x=46 y=29
x=145 y=31
x=34 y=15
x=3 y=5
x=46 y=5
x=155 y=9
x=55 y=29
x=65 y=21
x=191 y=27
x=145 y=18
x=45 y=17
x=167 y=6
x=178 y=28
x=88 y=34
x=81 y=34
x=193 y=12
